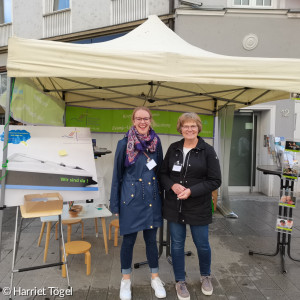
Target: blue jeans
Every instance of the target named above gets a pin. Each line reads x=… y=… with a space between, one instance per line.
x=151 y=250
x=200 y=238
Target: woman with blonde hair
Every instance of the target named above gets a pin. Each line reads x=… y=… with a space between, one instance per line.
x=135 y=196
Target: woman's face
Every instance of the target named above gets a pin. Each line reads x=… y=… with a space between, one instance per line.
x=189 y=130
x=142 y=121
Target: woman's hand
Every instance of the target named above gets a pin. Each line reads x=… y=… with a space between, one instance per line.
x=116 y=215
x=177 y=188
x=184 y=195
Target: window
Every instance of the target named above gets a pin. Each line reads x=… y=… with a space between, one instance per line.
x=252 y=3
x=3 y=83
x=5 y=11
x=3 y=87
x=61 y=4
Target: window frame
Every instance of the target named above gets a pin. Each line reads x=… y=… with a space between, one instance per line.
x=5 y=9
x=252 y=4
x=56 y=4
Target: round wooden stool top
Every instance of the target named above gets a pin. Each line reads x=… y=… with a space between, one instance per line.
x=70 y=222
x=115 y=223
x=77 y=247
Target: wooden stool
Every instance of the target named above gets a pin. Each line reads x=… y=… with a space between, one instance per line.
x=114 y=223
x=79 y=247
x=69 y=223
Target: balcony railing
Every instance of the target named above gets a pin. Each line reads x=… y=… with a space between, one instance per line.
x=128 y=10
x=56 y=22
x=5 y=33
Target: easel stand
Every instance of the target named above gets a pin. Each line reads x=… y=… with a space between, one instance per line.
x=163 y=243
x=18 y=228
x=283 y=239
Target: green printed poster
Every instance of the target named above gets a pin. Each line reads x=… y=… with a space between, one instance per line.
x=119 y=120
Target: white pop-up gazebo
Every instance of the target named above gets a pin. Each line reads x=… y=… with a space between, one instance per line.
x=152 y=65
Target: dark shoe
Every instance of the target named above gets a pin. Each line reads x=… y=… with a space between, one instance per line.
x=182 y=291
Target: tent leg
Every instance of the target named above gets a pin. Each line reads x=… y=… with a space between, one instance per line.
x=10 y=82
x=225 y=119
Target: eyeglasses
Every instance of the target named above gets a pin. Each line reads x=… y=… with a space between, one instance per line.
x=193 y=127
x=143 y=119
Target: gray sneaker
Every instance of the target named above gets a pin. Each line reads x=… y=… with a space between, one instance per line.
x=182 y=292
x=207 y=288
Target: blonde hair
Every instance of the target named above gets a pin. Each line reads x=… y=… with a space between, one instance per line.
x=141 y=108
x=189 y=116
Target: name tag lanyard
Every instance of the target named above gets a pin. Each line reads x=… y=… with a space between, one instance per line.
x=150 y=162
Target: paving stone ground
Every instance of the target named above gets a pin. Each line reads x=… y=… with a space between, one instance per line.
x=236 y=275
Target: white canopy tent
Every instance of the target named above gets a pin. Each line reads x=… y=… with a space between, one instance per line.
x=150 y=66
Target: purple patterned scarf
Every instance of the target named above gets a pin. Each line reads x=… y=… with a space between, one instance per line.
x=137 y=143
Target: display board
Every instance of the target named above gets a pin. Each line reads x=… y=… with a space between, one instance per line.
x=119 y=121
x=45 y=159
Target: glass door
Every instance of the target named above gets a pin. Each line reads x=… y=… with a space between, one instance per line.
x=243 y=152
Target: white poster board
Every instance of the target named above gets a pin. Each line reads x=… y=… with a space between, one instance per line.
x=44 y=159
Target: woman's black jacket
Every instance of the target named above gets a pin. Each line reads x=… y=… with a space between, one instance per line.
x=200 y=173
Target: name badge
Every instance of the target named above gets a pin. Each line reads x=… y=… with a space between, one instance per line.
x=151 y=164
x=177 y=167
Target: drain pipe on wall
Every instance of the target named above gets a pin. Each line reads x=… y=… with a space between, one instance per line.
x=171 y=11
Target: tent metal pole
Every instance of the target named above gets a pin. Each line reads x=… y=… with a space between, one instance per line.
x=225 y=133
x=9 y=91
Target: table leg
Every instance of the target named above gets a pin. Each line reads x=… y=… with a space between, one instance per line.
x=104 y=234
x=47 y=240
x=96 y=226
x=41 y=233
x=69 y=232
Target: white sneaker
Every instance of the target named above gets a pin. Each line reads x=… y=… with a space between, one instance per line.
x=158 y=287
x=125 y=289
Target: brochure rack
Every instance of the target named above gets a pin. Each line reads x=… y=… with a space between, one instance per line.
x=283 y=245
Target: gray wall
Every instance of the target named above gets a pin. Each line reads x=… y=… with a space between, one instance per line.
x=90 y=14
x=28 y=18
x=277 y=34
x=285 y=118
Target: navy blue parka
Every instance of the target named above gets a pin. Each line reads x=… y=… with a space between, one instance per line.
x=135 y=192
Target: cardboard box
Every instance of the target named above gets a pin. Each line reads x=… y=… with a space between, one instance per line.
x=42 y=203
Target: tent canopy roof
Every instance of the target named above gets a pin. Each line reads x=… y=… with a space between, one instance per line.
x=152 y=66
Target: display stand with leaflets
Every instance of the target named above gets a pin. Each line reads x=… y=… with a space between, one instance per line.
x=288 y=173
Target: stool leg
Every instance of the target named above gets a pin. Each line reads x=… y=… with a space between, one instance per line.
x=47 y=240
x=116 y=236
x=96 y=226
x=56 y=225
x=88 y=262
x=41 y=233
x=109 y=232
x=104 y=234
x=82 y=226
x=69 y=233
x=63 y=269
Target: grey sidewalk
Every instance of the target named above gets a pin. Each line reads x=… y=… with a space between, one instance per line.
x=236 y=275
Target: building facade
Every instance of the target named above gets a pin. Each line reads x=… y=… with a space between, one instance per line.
x=253 y=28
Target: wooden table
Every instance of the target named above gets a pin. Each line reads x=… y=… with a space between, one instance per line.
x=89 y=211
